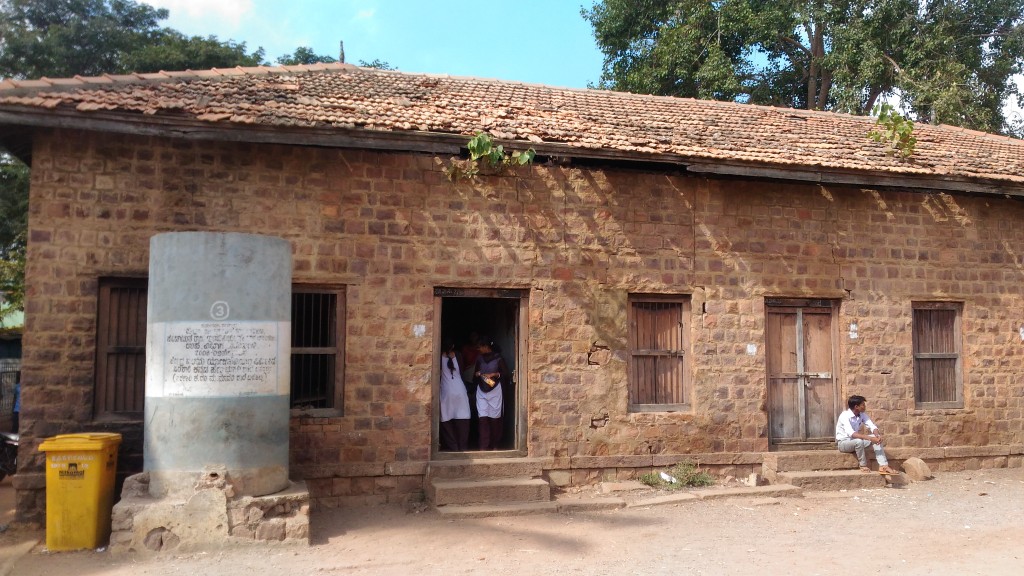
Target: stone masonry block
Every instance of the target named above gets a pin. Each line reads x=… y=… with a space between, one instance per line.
x=272 y=529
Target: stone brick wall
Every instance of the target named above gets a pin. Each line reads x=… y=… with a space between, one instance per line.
x=390 y=227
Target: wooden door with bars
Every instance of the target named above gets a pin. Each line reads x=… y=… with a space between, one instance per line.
x=802 y=382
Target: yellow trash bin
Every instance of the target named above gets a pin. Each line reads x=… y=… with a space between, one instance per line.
x=80 y=472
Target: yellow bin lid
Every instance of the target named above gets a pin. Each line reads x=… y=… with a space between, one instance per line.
x=85 y=441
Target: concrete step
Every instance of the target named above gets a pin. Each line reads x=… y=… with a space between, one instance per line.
x=488 y=491
x=485 y=468
x=826 y=480
x=485 y=510
x=809 y=460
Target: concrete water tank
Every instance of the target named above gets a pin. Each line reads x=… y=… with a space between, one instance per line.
x=217 y=361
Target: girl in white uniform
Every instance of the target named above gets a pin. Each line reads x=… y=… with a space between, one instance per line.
x=490 y=373
x=454 y=403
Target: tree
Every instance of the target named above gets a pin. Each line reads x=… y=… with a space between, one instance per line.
x=378 y=64
x=304 y=55
x=949 y=61
x=175 y=51
x=13 y=225
x=62 y=38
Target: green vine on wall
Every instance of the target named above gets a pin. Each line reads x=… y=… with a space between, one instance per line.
x=486 y=158
x=893 y=129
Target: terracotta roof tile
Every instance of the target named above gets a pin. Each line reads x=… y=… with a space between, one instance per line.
x=345 y=96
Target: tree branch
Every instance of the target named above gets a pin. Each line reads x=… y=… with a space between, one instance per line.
x=873 y=95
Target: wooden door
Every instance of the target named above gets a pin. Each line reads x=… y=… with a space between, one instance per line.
x=801 y=371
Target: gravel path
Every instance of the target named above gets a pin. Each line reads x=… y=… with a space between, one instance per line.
x=958 y=523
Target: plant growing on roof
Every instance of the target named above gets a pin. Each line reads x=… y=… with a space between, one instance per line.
x=893 y=129
x=486 y=157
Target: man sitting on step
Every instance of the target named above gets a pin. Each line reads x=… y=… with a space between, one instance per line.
x=851 y=439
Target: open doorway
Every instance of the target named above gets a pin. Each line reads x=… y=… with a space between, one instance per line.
x=467 y=317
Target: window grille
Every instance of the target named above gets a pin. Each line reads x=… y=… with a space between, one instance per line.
x=317 y=321
x=938 y=376
x=659 y=341
x=121 y=348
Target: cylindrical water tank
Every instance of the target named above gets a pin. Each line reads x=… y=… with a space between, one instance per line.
x=217 y=361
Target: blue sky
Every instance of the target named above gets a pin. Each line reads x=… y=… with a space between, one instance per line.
x=538 y=41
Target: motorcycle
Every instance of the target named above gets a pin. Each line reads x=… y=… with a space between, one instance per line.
x=8 y=454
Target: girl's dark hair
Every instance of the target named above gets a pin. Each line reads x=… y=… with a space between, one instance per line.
x=447 y=347
x=490 y=343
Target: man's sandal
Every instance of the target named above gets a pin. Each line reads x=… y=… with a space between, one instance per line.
x=886 y=471
x=865 y=469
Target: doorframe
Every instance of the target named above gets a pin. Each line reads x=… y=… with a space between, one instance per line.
x=520 y=372
x=834 y=305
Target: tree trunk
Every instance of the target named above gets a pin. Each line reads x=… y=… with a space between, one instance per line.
x=872 y=97
x=816 y=82
x=826 y=86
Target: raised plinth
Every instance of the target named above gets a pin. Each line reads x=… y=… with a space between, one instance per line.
x=211 y=517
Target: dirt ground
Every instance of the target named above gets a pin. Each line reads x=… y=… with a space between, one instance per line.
x=958 y=523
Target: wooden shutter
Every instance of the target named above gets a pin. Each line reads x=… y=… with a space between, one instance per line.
x=121 y=348
x=317 y=345
x=937 y=359
x=658 y=343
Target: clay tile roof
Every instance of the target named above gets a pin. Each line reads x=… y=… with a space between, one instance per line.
x=343 y=96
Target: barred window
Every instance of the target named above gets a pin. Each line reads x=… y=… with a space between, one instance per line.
x=120 y=348
x=659 y=378
x=317 y=347
x=938 y=367
x=318 y=320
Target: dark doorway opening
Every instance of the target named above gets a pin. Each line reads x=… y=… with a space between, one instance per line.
x=493 y=314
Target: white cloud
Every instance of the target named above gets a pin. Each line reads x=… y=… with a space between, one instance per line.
x=365 y=14
x=228 y=12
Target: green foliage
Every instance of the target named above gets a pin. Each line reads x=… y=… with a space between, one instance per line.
x=13 y=224
x=305 y=55
x=64 y=38
x=893 y=130
x=485 y=157
x=686 y=474
x=378 y=64
x=949 y=62
x=175 y=51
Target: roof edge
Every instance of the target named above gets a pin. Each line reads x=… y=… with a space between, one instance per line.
x=438 y=143
x=17 y=87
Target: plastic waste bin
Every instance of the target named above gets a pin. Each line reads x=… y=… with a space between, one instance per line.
x=80 y=472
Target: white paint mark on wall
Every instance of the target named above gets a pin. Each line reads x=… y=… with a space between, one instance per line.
x=853 y=330
x=751 y=349
x=419 y=330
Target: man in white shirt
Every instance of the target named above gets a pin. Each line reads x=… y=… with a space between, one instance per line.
x=850 y=439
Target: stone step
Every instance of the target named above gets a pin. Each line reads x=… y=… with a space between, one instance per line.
x=466 y=468
x=488 y=491
x=809 y=460
x=831 y=480
x=486 y=510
